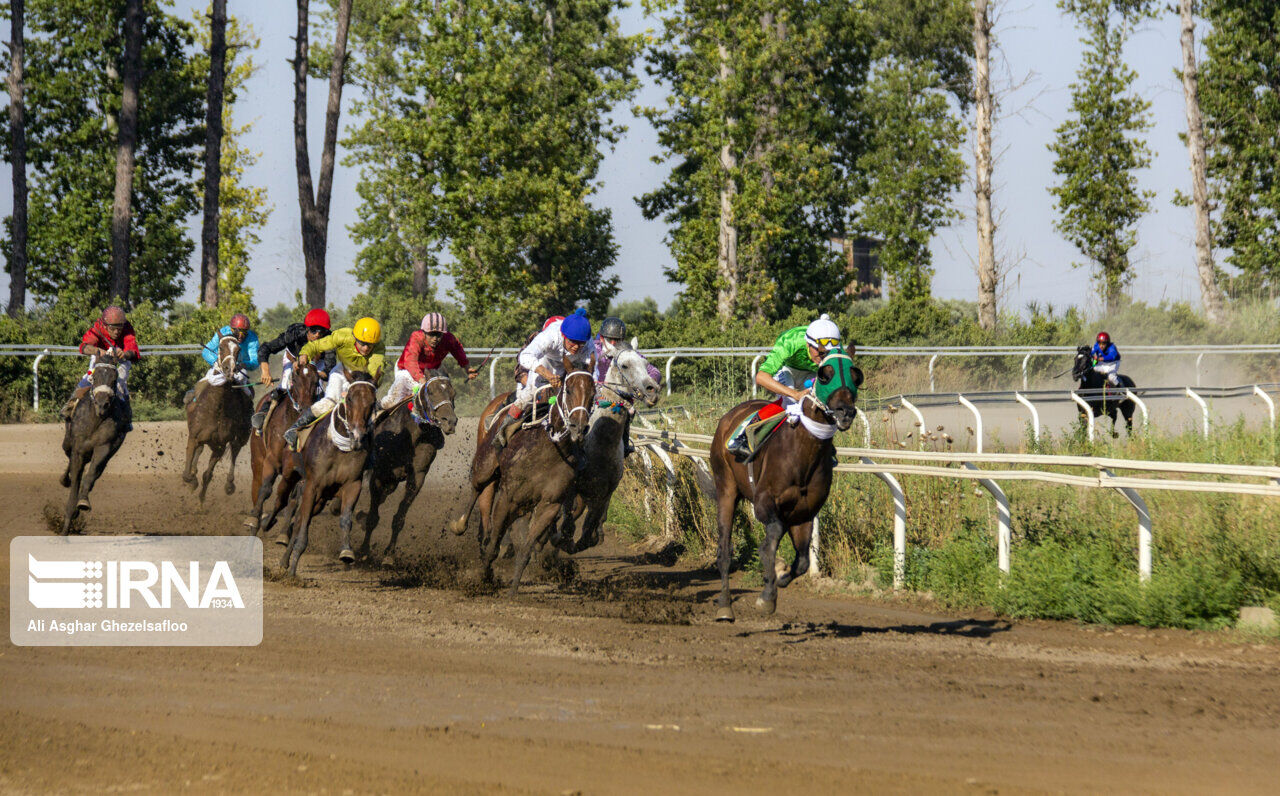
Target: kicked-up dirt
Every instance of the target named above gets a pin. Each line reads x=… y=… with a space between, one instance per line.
x=606 y=677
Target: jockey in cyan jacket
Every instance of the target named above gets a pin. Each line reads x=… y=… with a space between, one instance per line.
x=246 y=359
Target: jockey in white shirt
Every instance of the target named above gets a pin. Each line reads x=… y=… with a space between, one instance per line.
x=544 y=358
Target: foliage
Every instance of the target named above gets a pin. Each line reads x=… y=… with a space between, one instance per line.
x=1096 y=151
x=73 y=62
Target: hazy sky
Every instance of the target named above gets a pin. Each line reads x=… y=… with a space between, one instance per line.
x=1039 y=51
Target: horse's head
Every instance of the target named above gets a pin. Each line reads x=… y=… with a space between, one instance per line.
x=228 y=354
x=836 y=387
x=305 y=380
x=630 y=371
x=103 y=382
x=356 y=408
x=1084 y=358
x=576 y=398
x=437 y=401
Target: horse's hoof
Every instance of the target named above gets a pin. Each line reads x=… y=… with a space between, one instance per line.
x=724 y=613
x=282 y=539
x=347 y=556
x=65 y=480
x=766 y=607
x=251 y=524
x=388 y=562
x=83 y=505
x=231 y=488
x=458 y=526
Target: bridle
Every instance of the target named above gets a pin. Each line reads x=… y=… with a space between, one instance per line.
x=227 y=361
x=558 y=408
x=343 y=441
x=431 y=408
x=111 y=387
x=297 y=371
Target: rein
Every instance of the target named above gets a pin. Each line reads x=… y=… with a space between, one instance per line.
x=343 y=441
x=431 y=408
x=230 y=357
x=558 y=408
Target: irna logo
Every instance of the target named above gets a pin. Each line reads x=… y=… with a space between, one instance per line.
x=130 y=584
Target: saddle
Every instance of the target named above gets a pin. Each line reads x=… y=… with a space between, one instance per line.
x=758 y=429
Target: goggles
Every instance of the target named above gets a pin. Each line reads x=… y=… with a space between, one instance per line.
x=827 y=342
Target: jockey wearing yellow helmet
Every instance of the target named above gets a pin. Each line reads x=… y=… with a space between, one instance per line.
x=359 y=350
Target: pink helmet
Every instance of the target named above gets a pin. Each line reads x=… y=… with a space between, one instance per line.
x=434 y=322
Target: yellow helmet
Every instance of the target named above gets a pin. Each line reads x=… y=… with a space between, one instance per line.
x=367 y=330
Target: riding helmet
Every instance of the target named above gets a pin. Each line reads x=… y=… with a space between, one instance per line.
x=316 y=318
x=613 y=328
x=434 y=322
x=367 y=331
x=113 y=315
x=576 y=327
x=239 y=321
x=822 y=333
x=1104 y=338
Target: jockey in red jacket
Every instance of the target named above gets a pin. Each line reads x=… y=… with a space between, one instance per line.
x=425 y=351
x=110 y=335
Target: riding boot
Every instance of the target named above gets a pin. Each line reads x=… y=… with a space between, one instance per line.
x=261 y=417
x=510 y=422
x=737 y=443
x=291 y=435
x=70 y=406
x=128 y=416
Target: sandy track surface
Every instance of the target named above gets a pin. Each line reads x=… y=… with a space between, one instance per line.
x=615 y=682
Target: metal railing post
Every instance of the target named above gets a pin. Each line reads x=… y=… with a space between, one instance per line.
x=35 y=380
x=1024 y=370
x=899 y=526
x=1204 y=409
x=669 y=361
x=1004 y=519
x=493 y=377
x=977 y=420
x=752 y=374
x=1035 y=415
x=1141 y=404
x=866 y=429
x=919 y=419
x=1271 y=406
x=813 y=548
x=1144 y=527
x=1088 y=411
x=932 y=360
x=1198 y=367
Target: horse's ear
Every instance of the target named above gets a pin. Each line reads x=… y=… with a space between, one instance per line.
x=567 y=364
x=826 y=373
x=635 y=343
x=857 y=376
x=591 y=364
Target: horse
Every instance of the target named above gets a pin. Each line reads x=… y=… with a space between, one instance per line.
x=269 y=454
x=218 y=417
x=626 y=382
x=1108 y=398
x=405 y=442
x=786 y=483
x=333 y=460
x=94 y=432
x=533 y=474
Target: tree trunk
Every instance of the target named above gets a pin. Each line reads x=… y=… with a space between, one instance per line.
x=213 y=153
x=984 y=107
x=126 y=149
x=1210 y=293
x=421 y=281
x=18 y=159
x=727 y=255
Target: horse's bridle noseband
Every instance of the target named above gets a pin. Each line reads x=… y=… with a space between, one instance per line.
x=108 y=388
x=233 y=355
x=339 y=415
x=559 y=405
x=425 y=387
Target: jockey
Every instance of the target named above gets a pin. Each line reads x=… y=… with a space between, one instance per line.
x=612 y=332
x=794 y=359
x=426 y=350
x=314 y=326
x=110 y=335
x=246 y=360
x=543 y=359
x=359 y=349
x=1106 y=359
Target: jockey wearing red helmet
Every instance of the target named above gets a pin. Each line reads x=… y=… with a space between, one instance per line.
x=315 y=325
x=1106 y=359
x=110 y=335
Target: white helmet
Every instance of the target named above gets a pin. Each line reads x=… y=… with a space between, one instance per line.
x=823 y=333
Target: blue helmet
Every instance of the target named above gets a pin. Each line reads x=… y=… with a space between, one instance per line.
x=576 y=327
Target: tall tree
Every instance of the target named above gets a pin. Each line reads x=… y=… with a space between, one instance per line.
x=74 y=95
x=1240 y=97
x=1210 y=293
x=313 y=203
x=18 y=159
x=1098 y=151
x=213 y=152
x=983 y=106
x=126 y=149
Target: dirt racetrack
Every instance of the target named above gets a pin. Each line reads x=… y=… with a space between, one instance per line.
x=615 y=682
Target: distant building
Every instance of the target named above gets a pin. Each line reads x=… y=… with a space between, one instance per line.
x=862 y=263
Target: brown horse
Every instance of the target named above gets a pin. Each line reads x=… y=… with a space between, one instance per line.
x=94 y=433
x=269 y=453
x=405 y=442
x=533 y=474
x=218 y=417
x=786 y=484
x=333 y=460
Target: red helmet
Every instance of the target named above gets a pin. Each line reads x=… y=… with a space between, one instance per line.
x=316 y=317
x=1104 y=338
x=240 y=321
x=113 y=315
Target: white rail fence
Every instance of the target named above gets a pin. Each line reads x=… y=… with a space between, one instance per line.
x=886 y=465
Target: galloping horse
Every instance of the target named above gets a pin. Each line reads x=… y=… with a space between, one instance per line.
x=94 y=433
x=217 y=417
x=270 y=454
x=787 y=482
x=626 y=382
x=333 y=461
x=533 y=474
x=1112 y=397
x=405 y=442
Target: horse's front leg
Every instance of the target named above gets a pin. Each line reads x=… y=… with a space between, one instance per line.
x=230 y=488
x=540 y=524
x=349 y=494
x=412 y=485
x=193 y=452
x=304 y=509
x=372 y=516
x=101 y=455
x=801 y=538
x=727 y=504
x=767 y=602
x=76 y=468
x=215 y=456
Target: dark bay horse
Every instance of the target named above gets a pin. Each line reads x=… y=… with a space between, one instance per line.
x=270 y=454
x=333 y=461
x=405 y=442
x=218 y=418
x=94 y=432
x=1106 y=397
x=626 y=382
x=533 y=474
x=786 y=484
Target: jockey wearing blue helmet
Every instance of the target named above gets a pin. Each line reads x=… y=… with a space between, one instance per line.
x=543 y=359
